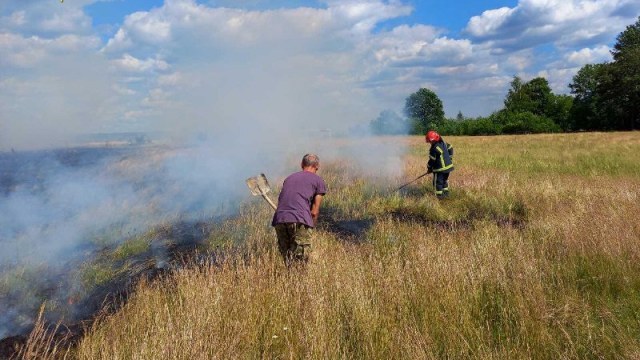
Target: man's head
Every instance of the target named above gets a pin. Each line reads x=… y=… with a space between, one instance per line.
x=432 y=137
x=310 y=162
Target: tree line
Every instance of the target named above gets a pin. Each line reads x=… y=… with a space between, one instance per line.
x=603 y=97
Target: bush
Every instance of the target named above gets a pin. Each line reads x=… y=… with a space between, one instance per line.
x=528 y=123
x=479 y=126
x=483 y=126
x=501 y=122
x=451 y=127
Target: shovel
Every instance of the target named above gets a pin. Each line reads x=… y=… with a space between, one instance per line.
x=260 y=186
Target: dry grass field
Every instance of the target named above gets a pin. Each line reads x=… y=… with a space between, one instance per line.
x=536 y=254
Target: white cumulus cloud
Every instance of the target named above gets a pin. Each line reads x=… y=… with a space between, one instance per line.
x=133 y=64
x=559 y=22
x=585 y=56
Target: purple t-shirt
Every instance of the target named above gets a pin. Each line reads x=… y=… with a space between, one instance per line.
x=294 y=202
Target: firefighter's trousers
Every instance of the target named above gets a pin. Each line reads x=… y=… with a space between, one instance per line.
x=441 y=183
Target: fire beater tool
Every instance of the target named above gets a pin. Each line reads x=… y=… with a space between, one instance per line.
x=260 y=186
x=414 y=180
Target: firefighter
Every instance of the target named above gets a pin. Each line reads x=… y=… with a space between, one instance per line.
x=440 y=163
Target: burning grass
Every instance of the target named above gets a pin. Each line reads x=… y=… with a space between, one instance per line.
x=523 y=261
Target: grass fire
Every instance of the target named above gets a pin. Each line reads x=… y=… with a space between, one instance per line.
x=533 y=255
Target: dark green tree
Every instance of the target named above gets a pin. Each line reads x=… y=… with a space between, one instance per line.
x=586 y=112
x=459 y=117
x=620 y=87
x=540 y=94
x=533 y=96
x=517 y=100
x=536 y=98
x=608 y=95
x=424 y=110
x=627 y=42
x=559 y=110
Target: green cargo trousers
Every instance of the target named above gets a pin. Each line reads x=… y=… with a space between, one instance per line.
x=294 y=242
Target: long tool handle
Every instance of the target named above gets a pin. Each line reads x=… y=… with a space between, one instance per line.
x=268 y=200
x=414 y=180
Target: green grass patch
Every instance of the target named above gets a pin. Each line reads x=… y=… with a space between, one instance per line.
x=564 y=154
x=133 y=247
x=97 y=273
x=463 y=209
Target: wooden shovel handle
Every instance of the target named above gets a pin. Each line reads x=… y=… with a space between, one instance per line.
x=268 y=200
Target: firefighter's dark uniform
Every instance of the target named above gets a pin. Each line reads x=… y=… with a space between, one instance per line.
x=441 y=164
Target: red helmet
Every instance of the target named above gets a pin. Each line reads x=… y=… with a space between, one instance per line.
x=432 y=136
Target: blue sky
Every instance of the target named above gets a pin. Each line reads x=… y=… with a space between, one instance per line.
x=443 y=14
x=125 y=65
x=437 y=13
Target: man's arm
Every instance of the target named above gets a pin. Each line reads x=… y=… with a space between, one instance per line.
x=432 y=159
x=315 y=208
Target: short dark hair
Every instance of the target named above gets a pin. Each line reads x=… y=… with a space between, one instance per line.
x=310 y=160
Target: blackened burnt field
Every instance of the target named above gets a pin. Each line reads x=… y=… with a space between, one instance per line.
x=81 y=225
x=512 y=265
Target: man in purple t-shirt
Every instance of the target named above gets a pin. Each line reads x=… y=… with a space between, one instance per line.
x=298 y=210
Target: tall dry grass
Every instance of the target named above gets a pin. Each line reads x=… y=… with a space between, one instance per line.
x=535 y=255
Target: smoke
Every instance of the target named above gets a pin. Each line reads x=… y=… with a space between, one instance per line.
x=231 y=101
x=60 y=207
x=182 y=69
x=248 y=84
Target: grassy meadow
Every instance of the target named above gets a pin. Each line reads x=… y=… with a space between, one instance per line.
x=536 y=254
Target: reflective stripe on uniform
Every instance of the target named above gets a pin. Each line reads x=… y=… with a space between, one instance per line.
x=441 y=157
x=443 y=168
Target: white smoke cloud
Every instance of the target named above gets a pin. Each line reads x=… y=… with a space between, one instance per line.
x=60 y=207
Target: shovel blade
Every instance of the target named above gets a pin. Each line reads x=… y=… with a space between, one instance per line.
x=258 y=185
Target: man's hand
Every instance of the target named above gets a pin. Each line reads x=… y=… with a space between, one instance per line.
x=315 y=208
